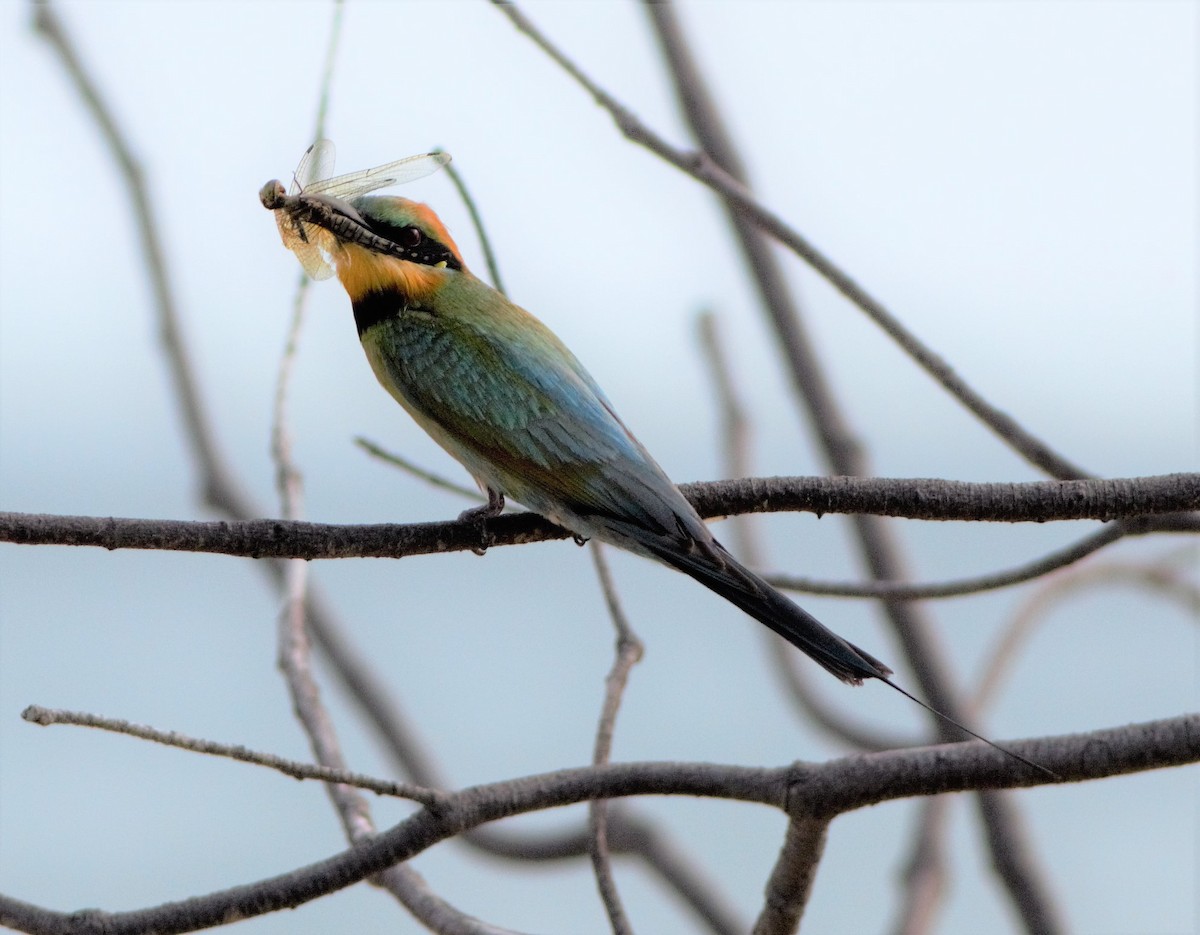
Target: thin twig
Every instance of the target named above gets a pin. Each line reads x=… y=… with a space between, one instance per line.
x=45 y=717
x=477 y=220
x=898 y=590
x=1157 y=577
x=628 y=653
x=288 y=481
x=434 y=480
x=707 y=171
x=926 y=871
x=220 y=490
x=294 y=647
x=326 y=85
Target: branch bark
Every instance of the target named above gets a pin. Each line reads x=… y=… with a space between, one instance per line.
x=913 y=499
x=808 y=792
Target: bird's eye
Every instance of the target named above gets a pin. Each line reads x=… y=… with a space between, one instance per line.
x=410 y=237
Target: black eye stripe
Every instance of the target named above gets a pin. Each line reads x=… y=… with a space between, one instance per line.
x=412 y=244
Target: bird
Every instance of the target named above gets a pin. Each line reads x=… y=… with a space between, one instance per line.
x=504 y=396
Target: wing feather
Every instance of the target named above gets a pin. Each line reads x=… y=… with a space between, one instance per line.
x=524 y=415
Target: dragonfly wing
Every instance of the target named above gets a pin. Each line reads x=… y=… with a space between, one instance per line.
x=314 y=260
x=391 y=173
x=311 y=244
x=315 y=164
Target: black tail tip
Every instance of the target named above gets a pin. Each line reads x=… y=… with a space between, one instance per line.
x=865 y=666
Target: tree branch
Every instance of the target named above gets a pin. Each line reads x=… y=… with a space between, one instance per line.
x=804 y=791
x=45 y=717
x=913 y=499
x=790 y=884
x=878 y=546
x=900 y=590
x=706 y=170
x=628 y=653
x=221 y=491
x=736 y=462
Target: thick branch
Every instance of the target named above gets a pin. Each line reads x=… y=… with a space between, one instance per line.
x=913 y=499
x=806 y=791
x=791 y=881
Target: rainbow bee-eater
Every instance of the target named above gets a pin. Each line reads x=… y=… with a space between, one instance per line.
x=505 y=397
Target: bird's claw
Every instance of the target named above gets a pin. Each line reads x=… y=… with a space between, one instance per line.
x=479 y=516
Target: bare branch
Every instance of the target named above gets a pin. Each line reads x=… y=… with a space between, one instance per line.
x=1016 y=864
x=878 y=546
x=220 y=490
x=925 y=871
x=791 y=881
x=917 y=499
x=45 y=717
x=830 y=718
x=898 y=590
x=295 y=662
x=434 y=480
x=477 y=220
x=806 y=791
x=735 y=428
x=294 y=646
x=1158 y=577
x=628 y=653
x=707 y=171
x=434 y=912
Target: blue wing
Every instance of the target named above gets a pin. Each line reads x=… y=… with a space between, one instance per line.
x=516 y=407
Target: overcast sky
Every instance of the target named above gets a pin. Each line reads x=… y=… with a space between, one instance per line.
x=1016 y=181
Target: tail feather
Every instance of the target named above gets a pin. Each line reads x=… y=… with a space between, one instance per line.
x=720 y=572
x=707 y=561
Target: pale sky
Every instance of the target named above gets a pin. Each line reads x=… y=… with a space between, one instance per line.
x=1017 y=182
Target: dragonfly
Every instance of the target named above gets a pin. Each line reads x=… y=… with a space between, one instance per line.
x=310 y=213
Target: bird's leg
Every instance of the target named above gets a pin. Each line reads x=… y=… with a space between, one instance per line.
x=485 y=511
x=493 y=507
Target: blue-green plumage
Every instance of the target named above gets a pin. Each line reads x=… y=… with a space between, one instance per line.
x=494 y=387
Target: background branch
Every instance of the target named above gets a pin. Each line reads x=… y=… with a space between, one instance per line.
x=723 y=180
x=823 y=790
x=879 y=549
x=79 y=385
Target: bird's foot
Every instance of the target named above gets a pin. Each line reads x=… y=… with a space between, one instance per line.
x=580 y=541
x=480 y=514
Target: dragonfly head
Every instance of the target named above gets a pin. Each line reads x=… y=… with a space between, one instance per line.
x=272 y=195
